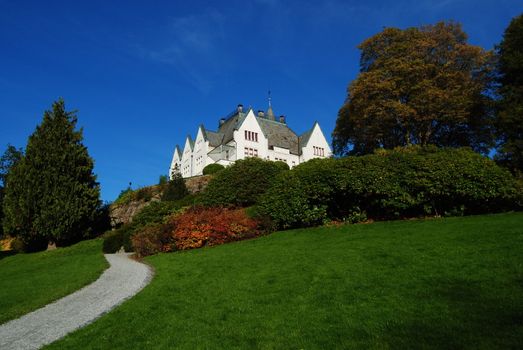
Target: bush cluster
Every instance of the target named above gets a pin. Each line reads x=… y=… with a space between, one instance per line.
x=154 y=213
x=174 y=189
x=195 y=228
x=153 y=239
x=212 y=169
x=199 y=226
x=242 y=183
x=405 y=182
x=141 y=194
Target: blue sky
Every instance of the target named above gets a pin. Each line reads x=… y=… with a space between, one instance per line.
x=143 y=75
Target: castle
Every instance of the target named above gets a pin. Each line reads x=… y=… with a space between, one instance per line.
x=245 y=134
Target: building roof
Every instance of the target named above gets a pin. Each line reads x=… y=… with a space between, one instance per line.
x=304 y=138
x=279 y=134
x=215 y=139
x=191 y=142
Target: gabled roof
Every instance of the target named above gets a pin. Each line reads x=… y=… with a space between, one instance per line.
x=177 y=150
x=215 y=139
x=279 y=134
x=233 y=122
x=304 y=138
x=191 y=142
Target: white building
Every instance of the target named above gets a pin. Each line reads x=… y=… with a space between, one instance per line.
x=246 y=134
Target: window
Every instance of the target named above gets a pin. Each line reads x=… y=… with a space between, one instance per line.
x=251 y=136
x=319 y=151
x=250 y=152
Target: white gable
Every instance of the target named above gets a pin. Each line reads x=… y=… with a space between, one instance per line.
x=317 y=145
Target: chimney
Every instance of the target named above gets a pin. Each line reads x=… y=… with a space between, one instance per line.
x=240 y=108
x=261 y=114
x=282 y=119
x=221 y=122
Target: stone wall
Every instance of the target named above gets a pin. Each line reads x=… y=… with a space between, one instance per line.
x=123 y=213
x=197 y=184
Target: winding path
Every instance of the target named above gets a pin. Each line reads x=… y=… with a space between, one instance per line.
x=122 y=280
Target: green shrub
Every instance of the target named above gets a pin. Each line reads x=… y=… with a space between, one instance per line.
x=155 y=213
x=125 y=196
x=212 y=169
x=174 y=189
x=405 y=182
x=143 y=194
x=114 y=240
x=163 y=179
x=242 y=183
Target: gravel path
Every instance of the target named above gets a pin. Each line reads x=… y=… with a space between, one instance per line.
x=123 y=279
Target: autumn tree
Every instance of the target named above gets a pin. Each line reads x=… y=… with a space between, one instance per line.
x=510 y=113
x=51 y=194
x=423 y=85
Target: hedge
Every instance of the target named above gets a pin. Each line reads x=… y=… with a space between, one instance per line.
x=405 y=182
x=242 y=183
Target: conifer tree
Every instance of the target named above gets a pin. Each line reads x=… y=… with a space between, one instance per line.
x=510 y=113
x=51 y=193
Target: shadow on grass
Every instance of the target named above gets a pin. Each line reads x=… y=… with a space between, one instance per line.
x=459 y=315
x=6 y=253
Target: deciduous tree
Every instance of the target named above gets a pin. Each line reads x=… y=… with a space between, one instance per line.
x=423 y=85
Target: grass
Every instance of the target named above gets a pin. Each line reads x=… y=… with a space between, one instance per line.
x=30 y=281
x=445 y=283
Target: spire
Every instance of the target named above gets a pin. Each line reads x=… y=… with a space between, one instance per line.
x=270 y=113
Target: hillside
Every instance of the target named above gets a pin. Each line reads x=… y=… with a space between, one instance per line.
x=445 y=283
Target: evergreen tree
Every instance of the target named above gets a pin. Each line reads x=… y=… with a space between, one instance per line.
x=51 y=193
x=11 y=156
x=174 y=189
x=510 y=113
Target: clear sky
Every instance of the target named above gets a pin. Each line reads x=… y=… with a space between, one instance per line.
x=144 y=74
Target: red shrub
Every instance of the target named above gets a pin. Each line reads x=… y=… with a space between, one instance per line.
x=198 y=227
x=153 y=239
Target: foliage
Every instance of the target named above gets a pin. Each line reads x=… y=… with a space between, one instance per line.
x=144 y=194
x=163 y=180
x=200 y=226
x=52 y=193
x=510 y=114
x=125 y=196
x=114 y=240
x=154 y=213
x=175 y=189
x=404 y=182
x=31 y=281
x=422 y=86
x=242 y=183
x=9 y=159
x=452 y=283
x=212 y=169
x=153 y=239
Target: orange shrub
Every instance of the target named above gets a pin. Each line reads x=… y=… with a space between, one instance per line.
x=198 y=227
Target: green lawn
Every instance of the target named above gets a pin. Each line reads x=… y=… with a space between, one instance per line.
x=446 y=283
x=30 y=281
